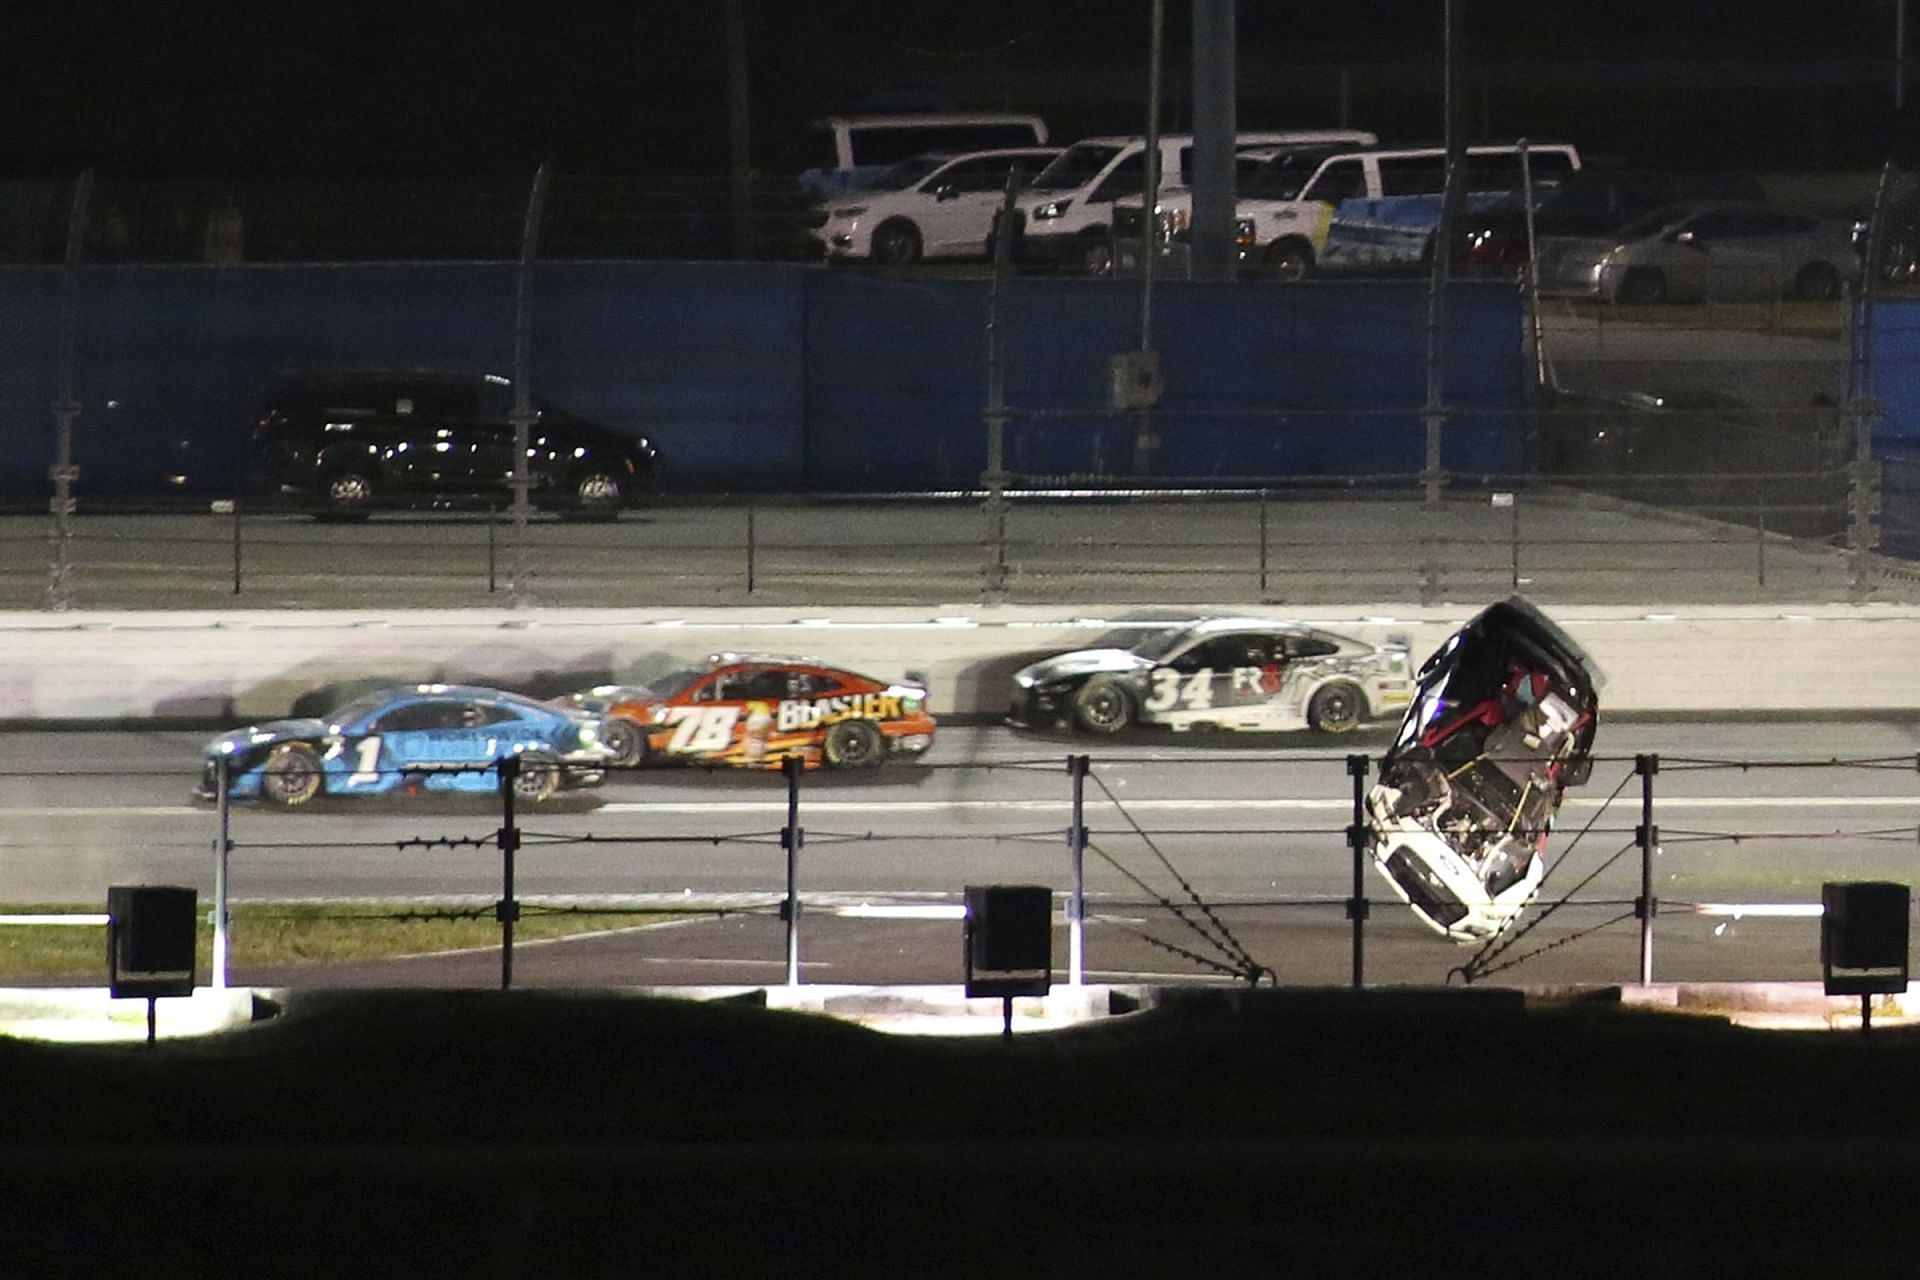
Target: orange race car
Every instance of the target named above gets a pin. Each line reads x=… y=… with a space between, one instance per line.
x=755 y=711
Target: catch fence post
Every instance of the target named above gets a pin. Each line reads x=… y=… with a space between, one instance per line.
x=1760 y=543
x=1077 y=852
x=1263 y=544
x=236 y=546
x=507 y=910
x=222 y=851
x=1357 y=906
x=1646 y=906
x=792 y=838
x=752 y=541
x=1513 y=539
x=493 y=549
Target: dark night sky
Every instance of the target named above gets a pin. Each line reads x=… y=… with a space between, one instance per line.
x=227 y=88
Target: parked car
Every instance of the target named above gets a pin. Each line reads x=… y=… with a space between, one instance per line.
x=345 y=443
x=935 y=205
x=755 y=711
x=409 y=740
x=1065 y=216
x=1703 y=451
x=1696 y=251
x=1592 y=202
x=1502 y=723
x=853 y=150
x=1213 y=673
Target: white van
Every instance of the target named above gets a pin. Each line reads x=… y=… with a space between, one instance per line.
x=852 y=149
x=1338 y=208
x=1065 y=215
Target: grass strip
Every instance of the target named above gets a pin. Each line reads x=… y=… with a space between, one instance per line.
x=268 y=934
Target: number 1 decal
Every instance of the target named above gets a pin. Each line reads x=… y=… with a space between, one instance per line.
x=366 y=762
x=702 y=728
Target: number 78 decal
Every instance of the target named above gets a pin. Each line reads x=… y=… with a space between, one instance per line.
x=702 y=728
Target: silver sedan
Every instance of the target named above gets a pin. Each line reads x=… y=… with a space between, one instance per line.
x=1705 y=252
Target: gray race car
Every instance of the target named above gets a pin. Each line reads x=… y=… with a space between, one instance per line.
x=1214 y=673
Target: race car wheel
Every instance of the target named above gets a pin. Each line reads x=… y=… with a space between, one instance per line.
x=292 y=775
x=1336 y=708
x=896 y=243
x=853 y=744
x=628 y=740
x=1102 y=706
x=538 y=780
x=348 y=495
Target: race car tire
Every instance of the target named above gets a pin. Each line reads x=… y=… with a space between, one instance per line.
x=628 y=740
x=347 y=495
x=537 y=781
x=896 y=243
x=1336 y=708
x=1102 y=705
x=292 y=775
x=853 y=744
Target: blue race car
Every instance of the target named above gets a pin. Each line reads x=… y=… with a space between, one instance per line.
x=427 y=737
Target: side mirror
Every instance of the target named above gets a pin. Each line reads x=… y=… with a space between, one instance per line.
x=1689 y=239
x=946 y=191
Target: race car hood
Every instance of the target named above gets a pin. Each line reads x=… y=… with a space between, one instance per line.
x=588 y=704
x=1081 y=662
x=260 y=735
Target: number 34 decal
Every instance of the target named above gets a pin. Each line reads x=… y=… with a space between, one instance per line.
x=1170 y=690
x=1195 y=691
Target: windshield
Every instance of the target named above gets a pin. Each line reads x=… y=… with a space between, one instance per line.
x=360 y=708
x=1652 y=224
x=1282 y=177
x=1144 y=639
x=673 y=682
x=907 y=173
x=1075 y=167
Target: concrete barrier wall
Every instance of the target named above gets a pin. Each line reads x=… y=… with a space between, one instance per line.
x=250 y=665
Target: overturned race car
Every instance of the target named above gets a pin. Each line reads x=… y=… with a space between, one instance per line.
x=1501 y=724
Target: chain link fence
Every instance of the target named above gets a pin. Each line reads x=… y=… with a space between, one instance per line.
x=1727 y=447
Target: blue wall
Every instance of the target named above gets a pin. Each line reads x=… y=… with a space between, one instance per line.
x=770 y=376
x=1896 y=429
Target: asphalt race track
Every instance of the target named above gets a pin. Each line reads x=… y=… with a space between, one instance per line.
x=1256 y=830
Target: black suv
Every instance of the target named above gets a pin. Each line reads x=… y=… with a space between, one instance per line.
x=345 y=443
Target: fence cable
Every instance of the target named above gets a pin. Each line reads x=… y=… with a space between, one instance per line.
x=1502 y=941
x=1219 y=934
